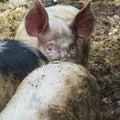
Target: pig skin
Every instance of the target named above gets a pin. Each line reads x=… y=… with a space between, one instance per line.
x=56 y=91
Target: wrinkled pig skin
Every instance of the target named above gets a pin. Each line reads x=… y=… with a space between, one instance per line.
x=17 y=60
x=58 y=31
x=56 y=91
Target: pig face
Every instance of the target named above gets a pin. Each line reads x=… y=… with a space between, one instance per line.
x=60 y=44
x=57 y=38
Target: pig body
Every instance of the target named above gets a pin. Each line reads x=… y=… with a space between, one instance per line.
x=55 y=31
x=56 y=91
x=17 y=60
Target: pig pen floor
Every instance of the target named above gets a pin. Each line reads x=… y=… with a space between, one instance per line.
x=104 y=60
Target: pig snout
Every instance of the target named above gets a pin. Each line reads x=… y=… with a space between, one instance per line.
x=64 y=56
x=56 y=91
x=17 y=60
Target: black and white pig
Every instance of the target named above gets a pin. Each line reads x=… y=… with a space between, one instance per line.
x=17 y=60
x=56 y=91
x=56 y=30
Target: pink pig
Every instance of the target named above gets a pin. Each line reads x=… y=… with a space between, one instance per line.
x=55 y=31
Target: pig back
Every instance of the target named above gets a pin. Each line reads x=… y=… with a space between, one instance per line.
x=56 y=91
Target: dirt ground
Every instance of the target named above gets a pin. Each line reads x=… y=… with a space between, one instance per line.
x=104 y=60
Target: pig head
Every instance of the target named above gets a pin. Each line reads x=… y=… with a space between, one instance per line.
x=55 y=30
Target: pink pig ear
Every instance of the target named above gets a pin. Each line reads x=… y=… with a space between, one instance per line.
x=84 y=21
x=36 y=20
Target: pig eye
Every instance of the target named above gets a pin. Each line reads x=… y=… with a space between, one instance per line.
x=50 y=48
x=72 y=48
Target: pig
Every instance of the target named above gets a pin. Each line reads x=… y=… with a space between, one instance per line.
x=56 y=31
x=56 y=91
x=17 y=60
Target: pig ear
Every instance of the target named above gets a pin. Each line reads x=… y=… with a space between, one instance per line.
x=36 y=20
x=84 y=21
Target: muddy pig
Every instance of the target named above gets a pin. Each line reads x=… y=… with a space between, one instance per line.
x=56 y=91
x=17 y=60
x=56 y=30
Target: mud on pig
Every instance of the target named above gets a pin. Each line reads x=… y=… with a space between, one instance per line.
x=56 y=91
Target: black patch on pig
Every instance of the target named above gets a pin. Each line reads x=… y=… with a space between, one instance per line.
x=19 y=59
x=51 y=3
